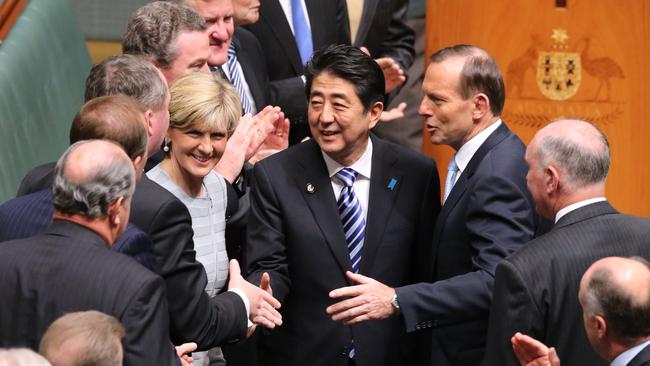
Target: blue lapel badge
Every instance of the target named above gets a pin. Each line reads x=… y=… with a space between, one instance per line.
x=392 y=183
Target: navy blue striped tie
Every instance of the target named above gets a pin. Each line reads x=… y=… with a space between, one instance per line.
x=352 y=218
x=236 y=79
x=354 y=223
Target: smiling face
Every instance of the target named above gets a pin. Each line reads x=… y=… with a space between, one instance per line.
x=195 y=151
x=337 y=120
x=192 y=52
x=219 y=16
x=448 y=115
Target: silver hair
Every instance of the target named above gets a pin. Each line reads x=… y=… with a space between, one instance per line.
x=107 y=180
x=583 y=166
x=129 y=75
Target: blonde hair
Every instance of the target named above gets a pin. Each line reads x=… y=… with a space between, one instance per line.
x=204 y=101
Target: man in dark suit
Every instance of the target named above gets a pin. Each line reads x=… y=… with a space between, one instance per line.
x=487 y=214
x=194 y=317
x=377 y=223
x=535 y=290
x=122 y=122
x=70 y=267
x=328 y=24
x=615 y=299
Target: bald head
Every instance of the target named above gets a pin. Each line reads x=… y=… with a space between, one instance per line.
x=90 y=176
x=618 y=289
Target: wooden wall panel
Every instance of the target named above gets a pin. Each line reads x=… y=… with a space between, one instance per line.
x=609 y=40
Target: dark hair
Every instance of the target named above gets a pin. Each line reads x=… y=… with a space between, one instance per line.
x=117 y=118
x=351 y=64
x=480 y=74
x=628 y=320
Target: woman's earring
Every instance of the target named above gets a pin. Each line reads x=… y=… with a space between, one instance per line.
x=166 y=146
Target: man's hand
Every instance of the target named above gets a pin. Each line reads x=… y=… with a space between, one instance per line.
x=262 y=304
x=276 y=141
x=369 y=300
x=531 y=352
x=249 y=134
x=393 y=114
x=184 y=352
x=393 y=73
x=265 y=284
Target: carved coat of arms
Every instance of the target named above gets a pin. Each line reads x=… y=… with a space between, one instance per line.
x=559 y=74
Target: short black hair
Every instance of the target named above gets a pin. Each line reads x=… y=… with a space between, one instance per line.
x=351 y=64
x=480 y=74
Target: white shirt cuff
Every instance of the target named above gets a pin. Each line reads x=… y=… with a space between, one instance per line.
x=247 y=304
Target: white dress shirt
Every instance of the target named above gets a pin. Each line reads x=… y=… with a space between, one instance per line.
x=361 y=186
x=467 y=151
x=244 y=83
x=286 y=6
x=577 y=205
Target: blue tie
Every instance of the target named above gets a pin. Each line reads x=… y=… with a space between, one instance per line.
x=236 y=79
x=352 y=218
x=301 y=31
x=452 y=174
x=354 y=223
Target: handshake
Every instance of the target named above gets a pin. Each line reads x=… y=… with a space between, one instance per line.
x=263 y=306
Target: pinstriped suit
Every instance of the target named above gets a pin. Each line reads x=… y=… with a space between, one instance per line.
x=536 y=289
x=70 y=268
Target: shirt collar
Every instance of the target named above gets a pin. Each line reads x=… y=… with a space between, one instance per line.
x=361 y=166
x=575 y=206
x=624 y=358
x=467 y=151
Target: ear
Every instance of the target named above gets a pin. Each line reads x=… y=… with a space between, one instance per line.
x=481 y=106
x=552 y=182
x=601 y=326
x=114 y=210
x=374 y=113
x=148 y=117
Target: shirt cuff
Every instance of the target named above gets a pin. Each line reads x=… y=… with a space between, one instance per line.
x=247 y=304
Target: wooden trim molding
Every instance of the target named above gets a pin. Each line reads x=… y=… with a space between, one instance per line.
x=10 y=10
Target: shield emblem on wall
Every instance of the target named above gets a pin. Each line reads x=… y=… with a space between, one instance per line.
x=558 y=74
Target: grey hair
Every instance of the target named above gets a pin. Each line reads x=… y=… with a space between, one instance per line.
x=627 y=319
x=583 y=166
x=21 y=357
x=107 y=180
x=153 y=30
x=129 y=75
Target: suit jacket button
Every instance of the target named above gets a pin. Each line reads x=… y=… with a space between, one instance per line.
x=344 y=352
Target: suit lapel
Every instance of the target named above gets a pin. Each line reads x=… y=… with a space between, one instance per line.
x=380 y=200
x=641 y=358
x=274 y=16
x=369 y=10
x=249 y=69
x=318 y=21
x=321 y=202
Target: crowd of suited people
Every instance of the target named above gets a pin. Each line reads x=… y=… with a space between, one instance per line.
x=230 y=196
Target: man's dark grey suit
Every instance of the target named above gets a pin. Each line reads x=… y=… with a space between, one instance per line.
x=536 y=289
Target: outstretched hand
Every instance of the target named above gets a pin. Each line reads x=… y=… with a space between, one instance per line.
x=184 y=352
x=368 y=300
x=262 y=303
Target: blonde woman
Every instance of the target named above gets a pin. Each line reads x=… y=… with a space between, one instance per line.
x=204 y=112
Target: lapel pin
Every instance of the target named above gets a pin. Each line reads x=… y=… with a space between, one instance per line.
x=310 y=188
x=392 y=183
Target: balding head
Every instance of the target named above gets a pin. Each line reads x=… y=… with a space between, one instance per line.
x=568 y=161
x=615 y=297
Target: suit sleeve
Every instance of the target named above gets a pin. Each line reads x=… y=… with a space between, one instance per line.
x=266 y=245
x=146 y=321
x=513 y=310
x=499 y=220
x=194 y=316
x=399 y=40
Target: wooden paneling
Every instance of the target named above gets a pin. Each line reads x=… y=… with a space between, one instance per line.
x=607 y=38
